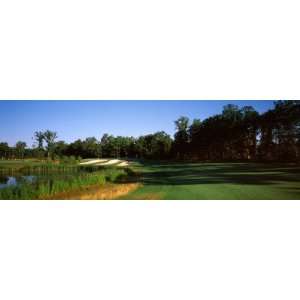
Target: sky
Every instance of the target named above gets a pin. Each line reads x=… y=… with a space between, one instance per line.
x=80 y=119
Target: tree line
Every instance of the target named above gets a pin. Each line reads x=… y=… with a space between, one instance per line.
x=242 y=134
x=235 y=134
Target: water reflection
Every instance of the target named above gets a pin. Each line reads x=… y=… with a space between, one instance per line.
x=13 y=177
x=3 y=179
x=6 y=181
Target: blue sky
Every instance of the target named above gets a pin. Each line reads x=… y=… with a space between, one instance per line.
x=80 y=119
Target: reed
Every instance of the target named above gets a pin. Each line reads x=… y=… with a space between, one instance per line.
x=45 y=187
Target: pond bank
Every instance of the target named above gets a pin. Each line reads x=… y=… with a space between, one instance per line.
x=108 y=191
x=48 y=184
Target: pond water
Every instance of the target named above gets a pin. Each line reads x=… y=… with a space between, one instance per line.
x=11 y=177
x=6 y=181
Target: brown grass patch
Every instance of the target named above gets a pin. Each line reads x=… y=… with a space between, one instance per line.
x=104 y=192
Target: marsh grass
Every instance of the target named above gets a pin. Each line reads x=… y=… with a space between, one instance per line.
x=53 y=179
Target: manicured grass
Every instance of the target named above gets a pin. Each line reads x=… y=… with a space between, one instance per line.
x=217 y=181
x=20 y=163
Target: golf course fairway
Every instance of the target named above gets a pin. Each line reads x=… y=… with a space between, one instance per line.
x=235 y=181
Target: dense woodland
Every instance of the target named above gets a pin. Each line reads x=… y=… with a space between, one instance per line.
x=236 y=134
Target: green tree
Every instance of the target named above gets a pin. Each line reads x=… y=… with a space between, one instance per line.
x=249 y=132
x=92 y=147
x=108 y=146
x=20 y=149
x=60 y=148
x=161 y=145
x=50 y=137
x=39 y=138
x=287 y=129
x=4 y=150
x=195 y=136
x=76 y=149
x=181 y=137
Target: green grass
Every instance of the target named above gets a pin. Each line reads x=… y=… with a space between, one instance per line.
x=50 y=186
x=217 y=181
x=162 y=180
x=55 y=178
x=32 y=166
x=19 y=163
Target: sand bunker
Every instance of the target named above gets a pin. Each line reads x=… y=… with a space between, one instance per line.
x=106 y=162
x=110 y=162
x=92 y=162
x=123 y=164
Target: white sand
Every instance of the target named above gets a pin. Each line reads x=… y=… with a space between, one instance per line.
x=106 y=162
x=123 y=164
x=92 y=162
x=110 y=162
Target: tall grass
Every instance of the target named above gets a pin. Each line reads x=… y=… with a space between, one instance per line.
x=47 y=168
x=49 y=186
x=33 y=167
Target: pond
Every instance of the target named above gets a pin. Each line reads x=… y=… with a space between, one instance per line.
x=10 y=177
x=44 y=181
x=6 y=181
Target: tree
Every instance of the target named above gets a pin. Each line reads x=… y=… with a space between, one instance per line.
x=231 y=112
x=287 y=129
x=195 y=137
x=182 y=124
x=4 y=150
x=60 y=148
x=75 y=149
x=235 y=134
x=249 y=131
x=20 y=149
x=91 y=148
x=181 y=137
x=50 y=137
x=161 y=145
x=108 y=146
x=232 y=132
x=39 y=137
x=212 y=138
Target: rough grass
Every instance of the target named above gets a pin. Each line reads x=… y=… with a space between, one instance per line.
x=217 y=181
x=19 y=163
x=33 y=166
x=52 y=186
x=96 y=192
